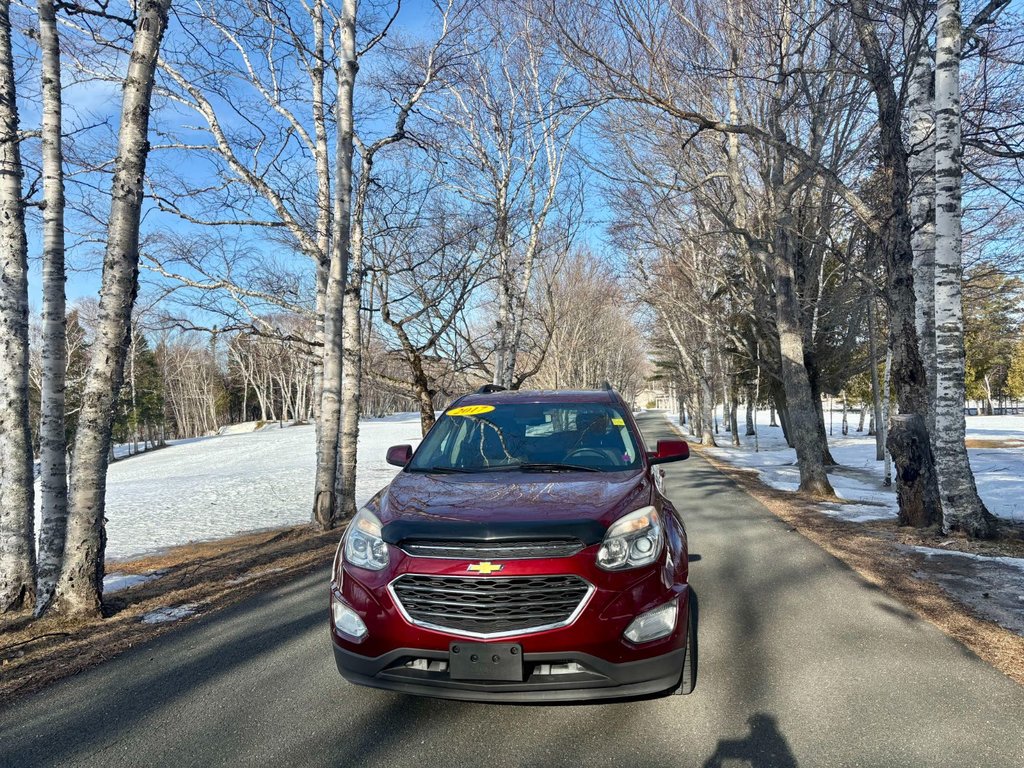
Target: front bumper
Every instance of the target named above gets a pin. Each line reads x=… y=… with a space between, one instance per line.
x=399 y=654
x=600 y=680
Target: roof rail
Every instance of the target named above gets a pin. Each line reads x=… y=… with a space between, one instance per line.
x=607 y=387
x=487 y=389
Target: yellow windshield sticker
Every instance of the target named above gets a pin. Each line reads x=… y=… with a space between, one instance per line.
x=619 y=422
x=470 y=410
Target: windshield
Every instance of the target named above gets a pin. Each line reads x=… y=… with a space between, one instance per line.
x=529 y=436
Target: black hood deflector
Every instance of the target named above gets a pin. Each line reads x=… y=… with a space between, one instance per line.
x=588 y=531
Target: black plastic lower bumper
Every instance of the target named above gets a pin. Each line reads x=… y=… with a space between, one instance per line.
x=600 y=680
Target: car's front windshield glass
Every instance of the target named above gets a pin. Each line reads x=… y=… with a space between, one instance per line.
x=529 y=436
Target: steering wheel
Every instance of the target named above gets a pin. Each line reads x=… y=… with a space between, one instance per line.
x=599 y=453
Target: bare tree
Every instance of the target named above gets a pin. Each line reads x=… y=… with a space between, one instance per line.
x=329 y=485
x=594 y=335
x=17 y=538
x=962 y=508
x=52 y=435
x=511 y=122
x=80 y=586
x=426 y=265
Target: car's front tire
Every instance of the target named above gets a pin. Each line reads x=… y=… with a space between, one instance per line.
x=688 y=678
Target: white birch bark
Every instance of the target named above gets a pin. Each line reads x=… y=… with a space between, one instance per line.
x=17 y=539
x=921 y=165
x=352 y=354
x=962 y=508
x=327 y=476
x=883 y=423
x=80 y=586
x=52 y=437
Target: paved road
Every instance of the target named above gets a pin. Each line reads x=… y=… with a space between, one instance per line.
x=801 y=663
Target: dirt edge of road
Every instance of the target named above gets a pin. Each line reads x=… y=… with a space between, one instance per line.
x=874 y=553
x=204 y=577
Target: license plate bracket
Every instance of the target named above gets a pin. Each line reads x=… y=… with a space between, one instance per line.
x=485 y=661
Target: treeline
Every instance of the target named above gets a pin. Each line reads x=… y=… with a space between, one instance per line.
x=802 y=193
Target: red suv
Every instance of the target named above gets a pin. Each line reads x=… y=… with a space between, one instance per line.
x=525 y=552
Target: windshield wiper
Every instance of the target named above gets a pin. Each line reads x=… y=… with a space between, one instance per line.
x=555 y=467
x=443 y=470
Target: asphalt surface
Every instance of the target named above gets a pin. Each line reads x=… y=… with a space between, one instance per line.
x=801 y=663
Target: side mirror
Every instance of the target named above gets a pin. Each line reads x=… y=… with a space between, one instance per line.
x=669 y=450
x=399 y=455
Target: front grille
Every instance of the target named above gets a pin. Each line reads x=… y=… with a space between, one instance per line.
x=490 y=605
x=492 y=550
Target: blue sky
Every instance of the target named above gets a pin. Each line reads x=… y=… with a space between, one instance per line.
x=93 y=102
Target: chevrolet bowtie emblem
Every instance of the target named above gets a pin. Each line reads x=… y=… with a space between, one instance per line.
x=485 y=567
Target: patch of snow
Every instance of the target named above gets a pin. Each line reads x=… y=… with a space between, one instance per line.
x=175 y=613
x=858 y=513
x=239 y=429
x=212 y=487
x=1013 y=562
x=115 y=582
x=999 y=472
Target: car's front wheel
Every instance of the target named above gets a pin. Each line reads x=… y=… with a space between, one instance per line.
x=688 y=679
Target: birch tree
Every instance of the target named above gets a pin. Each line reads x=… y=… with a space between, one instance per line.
x=511 y=125
x=962 y=508
x=921 y=165
x=52 y=428
x=334 y=498
x=80 y=585
x=329 y=485
x=17 y=539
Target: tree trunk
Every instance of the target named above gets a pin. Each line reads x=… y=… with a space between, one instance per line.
x=962 y=508
x=876 y=390
x=915 y=490
x=750 y=410
x=17 y=484
x=352 y=351
x=707 y=408
x=921 y=166
x=883 y=428
x=803 y=414
x=733 y=408
x=422 y=387
x=812 y=376
x=908 y=437
x=80 y=586
x=53 y=448
x=505 y=287
x=325 y=506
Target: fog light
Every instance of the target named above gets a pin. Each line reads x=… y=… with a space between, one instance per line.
x=347 y=621
x=653 y=625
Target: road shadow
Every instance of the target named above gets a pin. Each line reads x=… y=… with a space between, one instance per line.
x=763 y=747
x=159 y=676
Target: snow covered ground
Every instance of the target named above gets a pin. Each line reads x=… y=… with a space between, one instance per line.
x=219 y=486
x=999 y=471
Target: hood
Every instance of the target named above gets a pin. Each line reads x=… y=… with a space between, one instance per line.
x=504 y=505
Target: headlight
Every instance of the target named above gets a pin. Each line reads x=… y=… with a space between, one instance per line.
x=653 y=625
x=632 y=541
x=363 y=545
x=347 y=621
